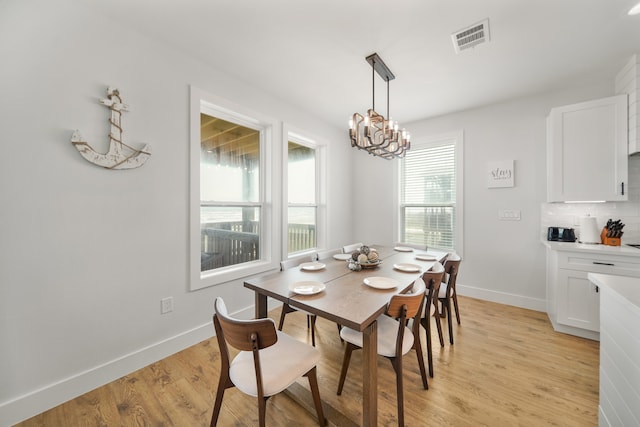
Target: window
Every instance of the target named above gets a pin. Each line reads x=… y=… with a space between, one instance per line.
x=430 y=194
x=229 y=209
x=229 y=193
x=302 y=197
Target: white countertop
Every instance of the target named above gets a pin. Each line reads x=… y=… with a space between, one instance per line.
x=626 y=287
x=622 y=250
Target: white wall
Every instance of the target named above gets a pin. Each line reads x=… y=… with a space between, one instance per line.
x=86 y=254
x=503 y=261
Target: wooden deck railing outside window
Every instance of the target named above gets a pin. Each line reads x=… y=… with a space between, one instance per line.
x=230 y=243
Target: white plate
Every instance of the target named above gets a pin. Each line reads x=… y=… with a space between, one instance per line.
x=403 y=249
x=409 y=268
x=381 y=282
x=307 y=288
x=425 y=257
x=342 y=257
x=312 y=266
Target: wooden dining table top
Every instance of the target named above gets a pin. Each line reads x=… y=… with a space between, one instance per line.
x=346 y=299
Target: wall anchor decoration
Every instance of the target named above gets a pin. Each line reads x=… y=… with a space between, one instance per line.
x=120 y=155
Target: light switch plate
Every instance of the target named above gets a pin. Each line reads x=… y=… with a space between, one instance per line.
x=509 y=215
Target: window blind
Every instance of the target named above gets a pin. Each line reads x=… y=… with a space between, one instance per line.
x=428 y=196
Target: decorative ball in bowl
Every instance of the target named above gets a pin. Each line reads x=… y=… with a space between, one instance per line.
x=364 y=257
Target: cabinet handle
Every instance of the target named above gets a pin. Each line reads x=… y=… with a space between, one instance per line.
x=603 y=263
x=597 y=289
x=623 y=188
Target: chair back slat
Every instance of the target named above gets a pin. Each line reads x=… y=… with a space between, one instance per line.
x=352 y=247
x=412 y=302
x=294 y=262
x=328 y=253
x=238 y=333
x=451 y=267
x=432 y=279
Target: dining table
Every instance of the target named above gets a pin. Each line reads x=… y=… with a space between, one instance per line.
x=349 y=298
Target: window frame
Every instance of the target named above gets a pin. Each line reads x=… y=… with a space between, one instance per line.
x=201 y=101
x=457 y=137
x=299 y=137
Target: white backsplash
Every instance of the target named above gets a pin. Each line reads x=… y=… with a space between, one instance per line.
x=568 y=214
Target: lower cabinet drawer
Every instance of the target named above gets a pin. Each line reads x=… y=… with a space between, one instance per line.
x=607 y=264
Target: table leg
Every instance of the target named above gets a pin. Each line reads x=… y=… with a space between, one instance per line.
x=370 y=375
x=260 y=305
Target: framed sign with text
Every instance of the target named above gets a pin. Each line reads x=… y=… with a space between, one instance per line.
x=500 y=174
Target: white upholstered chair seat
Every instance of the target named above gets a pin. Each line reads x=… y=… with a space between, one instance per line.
x=387 y=336
x=282 y=364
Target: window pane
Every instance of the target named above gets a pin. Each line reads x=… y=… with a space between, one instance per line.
x=429 y=176
x=301 y=174
x=229 y=161
x=301 y=194
x=430 y=226
x=302 y=228
x=428 y=196
x=230 y=235
x=229 y=173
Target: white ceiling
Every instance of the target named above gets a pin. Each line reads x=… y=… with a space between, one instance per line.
x=311 y=53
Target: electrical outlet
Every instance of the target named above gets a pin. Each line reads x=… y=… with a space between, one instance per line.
x=166 y=305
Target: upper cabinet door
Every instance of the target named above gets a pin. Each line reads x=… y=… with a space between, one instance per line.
x=587 y=151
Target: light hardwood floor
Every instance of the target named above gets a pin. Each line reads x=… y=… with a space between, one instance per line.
x=507 y=368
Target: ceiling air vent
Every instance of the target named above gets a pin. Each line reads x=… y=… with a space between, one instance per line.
x=471 y=36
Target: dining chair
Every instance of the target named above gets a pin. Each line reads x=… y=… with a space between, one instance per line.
x=412 y=245
x=268 y=362
x=327 y=254
x=432 y=279
x=448 y=292
x=395 y=338
x=286 y=308
x=350 y=248
x=324 y=255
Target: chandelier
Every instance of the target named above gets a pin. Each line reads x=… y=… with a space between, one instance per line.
x=374 y=133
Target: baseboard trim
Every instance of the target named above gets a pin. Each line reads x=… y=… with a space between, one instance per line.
x=515 y=300
x=35 y=402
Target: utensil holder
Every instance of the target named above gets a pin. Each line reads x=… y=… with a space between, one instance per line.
x=610 y=241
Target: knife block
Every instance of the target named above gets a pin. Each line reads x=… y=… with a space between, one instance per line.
x=609 y=241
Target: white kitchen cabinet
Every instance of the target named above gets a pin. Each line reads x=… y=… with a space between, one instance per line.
x=573 y=302
x=587 y=151
x=578 y=300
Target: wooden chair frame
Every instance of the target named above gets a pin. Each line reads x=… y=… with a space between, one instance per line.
x=286 y=308
x=251 y=335
x=432 y=280
x=451 y=268
x=402 y=307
